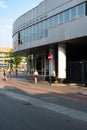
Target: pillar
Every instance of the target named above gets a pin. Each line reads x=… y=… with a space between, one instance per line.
x=51 y=63
x=61 y=62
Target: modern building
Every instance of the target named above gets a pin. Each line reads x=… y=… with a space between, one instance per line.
x=53 y=36
x=3 y=52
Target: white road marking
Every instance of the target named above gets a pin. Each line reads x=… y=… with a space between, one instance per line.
x=76 y=114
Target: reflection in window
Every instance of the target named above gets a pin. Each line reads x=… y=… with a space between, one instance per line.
x=73 y=13
x=81 y=10
x=66 y=16
x=61 y=18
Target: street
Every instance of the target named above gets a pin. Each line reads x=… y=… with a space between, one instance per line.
x=29 y=108
x=18 y=115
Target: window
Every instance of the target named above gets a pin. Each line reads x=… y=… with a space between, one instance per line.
x=26 y=32
x=60 y=18
x=18 y=38
x=81 y=10
x=45 y=24
x=86 y=8
x=51 y=22
x=40 y=27
x=30 y=40
x=73 y=13
x=35 y=31
x=56 y=20
x=66 y=16
x=26 y=35
x=1 y=60
x=21 y=36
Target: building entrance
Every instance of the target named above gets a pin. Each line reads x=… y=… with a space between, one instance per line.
x=77 y=63
x=77 y=71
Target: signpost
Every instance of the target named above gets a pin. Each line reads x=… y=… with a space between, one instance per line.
x=50 y=57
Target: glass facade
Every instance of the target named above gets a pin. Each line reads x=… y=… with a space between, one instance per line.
x=40 y=29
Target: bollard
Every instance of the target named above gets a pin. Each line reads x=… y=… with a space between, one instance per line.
x=35 y=76
x=35 y=79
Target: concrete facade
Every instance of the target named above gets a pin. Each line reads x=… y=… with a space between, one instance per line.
x=53 y=25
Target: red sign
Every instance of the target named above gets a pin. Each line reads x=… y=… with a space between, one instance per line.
x=50 y=56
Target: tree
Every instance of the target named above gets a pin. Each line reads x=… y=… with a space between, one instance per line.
x=12 y=59
x=17 y=60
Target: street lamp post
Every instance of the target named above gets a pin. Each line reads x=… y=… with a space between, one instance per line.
x=50 y=57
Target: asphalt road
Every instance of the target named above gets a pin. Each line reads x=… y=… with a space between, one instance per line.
x=25 y=107
x=16 y=114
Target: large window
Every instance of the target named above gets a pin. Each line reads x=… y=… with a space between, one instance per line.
x=67 y=16
x=81 y=10
x=55 y=20
x=73 y=13
x=46 y=24
x=26 y=36
x=51 y=22
x=1 y=60
x=60 y=18
x=19 y=38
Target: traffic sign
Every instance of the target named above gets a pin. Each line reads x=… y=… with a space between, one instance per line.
x=50 y=56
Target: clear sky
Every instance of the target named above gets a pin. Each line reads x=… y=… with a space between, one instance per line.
x=10 y=10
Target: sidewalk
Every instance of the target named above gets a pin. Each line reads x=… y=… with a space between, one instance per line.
x=69 y=89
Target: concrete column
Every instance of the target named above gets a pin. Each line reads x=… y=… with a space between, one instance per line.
x=61 y=61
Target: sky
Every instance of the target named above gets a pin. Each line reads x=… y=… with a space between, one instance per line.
x=10 y=10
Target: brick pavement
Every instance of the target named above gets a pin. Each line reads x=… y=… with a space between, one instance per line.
x=69 y=91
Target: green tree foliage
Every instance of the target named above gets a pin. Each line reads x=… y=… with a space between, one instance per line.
x=11 y=58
